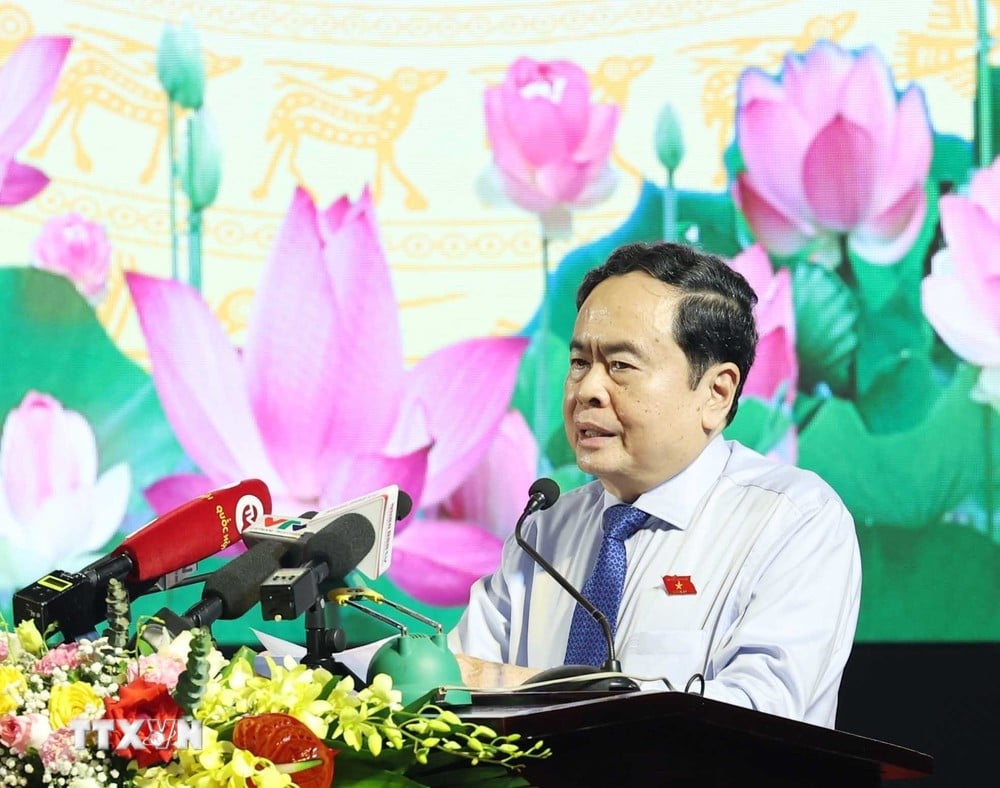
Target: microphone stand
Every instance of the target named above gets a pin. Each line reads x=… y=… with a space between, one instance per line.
x=612 y=665
x=323 y=641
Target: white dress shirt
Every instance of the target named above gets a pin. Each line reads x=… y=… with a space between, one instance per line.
x=770 y=550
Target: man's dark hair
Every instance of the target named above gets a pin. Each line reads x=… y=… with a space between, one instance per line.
x=714 y=321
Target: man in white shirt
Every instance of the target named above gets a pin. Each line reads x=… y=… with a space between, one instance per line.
x=742 y=570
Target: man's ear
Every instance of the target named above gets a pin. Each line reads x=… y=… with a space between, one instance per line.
x=721 y=382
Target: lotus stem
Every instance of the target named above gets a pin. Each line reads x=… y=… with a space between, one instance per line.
x=984 y=126
x=194 y=249
x=194 y=220
x=541 y=419
x=993 y=528
x=670 y=209
x=171 y=188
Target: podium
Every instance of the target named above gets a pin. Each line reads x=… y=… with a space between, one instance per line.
x=681 y=739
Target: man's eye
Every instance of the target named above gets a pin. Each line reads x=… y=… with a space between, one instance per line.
x=619 y=366
x=578 y=363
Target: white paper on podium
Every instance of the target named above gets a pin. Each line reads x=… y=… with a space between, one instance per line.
x=355 y=659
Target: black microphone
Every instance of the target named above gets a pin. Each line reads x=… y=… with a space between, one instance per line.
x=332 y=552
x=541 y=495
x=230 y=591
x=404 y=505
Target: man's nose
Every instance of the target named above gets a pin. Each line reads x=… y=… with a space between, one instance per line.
x=592 y=388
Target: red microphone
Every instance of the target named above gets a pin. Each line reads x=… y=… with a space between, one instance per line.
x=74 y=601
x=195 y=530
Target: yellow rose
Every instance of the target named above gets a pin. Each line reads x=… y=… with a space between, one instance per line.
x=12 y=688
x=31 y=640
x=68 y=701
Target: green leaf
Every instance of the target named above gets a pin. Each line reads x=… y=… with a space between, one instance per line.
x=906 y=478
x=952 y=158
x=929 y=583
x=977 y=145
x=759 y=425
x=900 y=394
x=53 y=343
x=826 y=317
x=552 y=352
x=569 y=477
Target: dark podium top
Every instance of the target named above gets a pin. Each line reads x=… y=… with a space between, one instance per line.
x=682 y=739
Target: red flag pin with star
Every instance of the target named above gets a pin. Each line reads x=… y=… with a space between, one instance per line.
x=679 y=584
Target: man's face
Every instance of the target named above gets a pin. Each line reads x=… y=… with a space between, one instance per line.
x=629 y=410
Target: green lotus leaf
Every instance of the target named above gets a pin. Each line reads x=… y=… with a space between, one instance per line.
x=900 y=393
x=826 y=317
x=759 y=425
x=552 y=352
x=906 y=478
x=935 y=582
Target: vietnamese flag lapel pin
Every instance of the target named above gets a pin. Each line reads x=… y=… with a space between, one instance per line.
x=678 y=584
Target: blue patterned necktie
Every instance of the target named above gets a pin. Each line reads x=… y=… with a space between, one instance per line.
x=586 y=644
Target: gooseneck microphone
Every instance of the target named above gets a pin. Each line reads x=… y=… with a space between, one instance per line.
x=541 y=495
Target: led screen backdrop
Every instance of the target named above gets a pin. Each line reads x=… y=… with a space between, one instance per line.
x=355 y=293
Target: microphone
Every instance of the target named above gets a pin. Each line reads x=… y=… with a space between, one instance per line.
x=331 y=552
x=541 y=495
x=75 y=601
x=381 y=508
x=230 y=591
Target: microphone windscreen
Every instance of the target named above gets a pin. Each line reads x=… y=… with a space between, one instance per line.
x=343 y=543
x=237 y=584
x=404 y=504
x=547 y=488
x=195 y=530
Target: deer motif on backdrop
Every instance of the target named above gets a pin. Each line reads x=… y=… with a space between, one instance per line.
x=352 y=109
x=116 y=74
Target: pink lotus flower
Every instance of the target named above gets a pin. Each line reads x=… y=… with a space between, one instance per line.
x=318 y=403
x=440 y=556
x=55 y=510
x=27 y=81
x=776 y=365
x=961 y=297
x=830 y=150
x=79 y=250
x=550 y=143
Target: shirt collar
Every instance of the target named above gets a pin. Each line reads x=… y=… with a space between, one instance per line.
x=675 y=500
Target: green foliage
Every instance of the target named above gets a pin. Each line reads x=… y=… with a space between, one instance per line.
x=936 y=582
x=826 y=317
x=908 y=478
x=895 y=377
x=952 y=158
x=192 y=682
x=553 y=353
x=759 y=425
x=119 y=614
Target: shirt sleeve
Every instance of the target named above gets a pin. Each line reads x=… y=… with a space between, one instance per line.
x=799 y=598
x=483 y=631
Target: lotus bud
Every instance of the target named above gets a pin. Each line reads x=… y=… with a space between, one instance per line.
x=201 y=161
x=668 y=139
x=180 y=65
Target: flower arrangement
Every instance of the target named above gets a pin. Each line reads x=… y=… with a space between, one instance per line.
x=93 y=712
